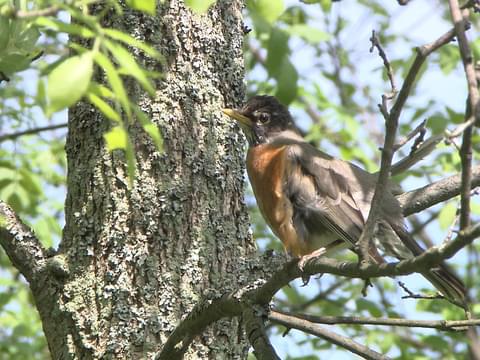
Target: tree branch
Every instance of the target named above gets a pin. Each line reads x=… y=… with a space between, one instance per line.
x=13 y=136
x=420 y=129
x=376 y=44
x=444 y=325
x=459 y=19
x=420 y=199
x=391 y=124
x=314 y=329
x=466 y=161
x=21 y=245
x=257 y=336
x=261 y=292
x=391 y=129
x=20 y=14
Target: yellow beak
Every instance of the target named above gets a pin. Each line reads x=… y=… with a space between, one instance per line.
x=234 y=114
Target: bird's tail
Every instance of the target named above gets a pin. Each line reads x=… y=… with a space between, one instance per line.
x=442 y=277
x=448 y=284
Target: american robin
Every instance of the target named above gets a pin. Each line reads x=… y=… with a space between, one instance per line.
x=317 y=204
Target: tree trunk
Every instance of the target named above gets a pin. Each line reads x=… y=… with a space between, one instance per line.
x=134 y=261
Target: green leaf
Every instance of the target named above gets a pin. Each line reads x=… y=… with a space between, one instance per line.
x=7 y=173
x=116 y=138
x=287 y=82
x=308 y=33
x=387 y=341
x=449 y=58
x=60 y=26
x=371 y=307
x=199 y=6
x=14 y=62
x=4 y=33
x=326 y=5
x=130 y=66
x=131 y=163
x=41 y=97
x=129 y=40
x=146 y=6
x=437 y=123
x=101 y=90
x=453 y=116
x=446 y=216
x=27 y=39
x=69 y=81
x=277 y=51
x=115 y=82
x=104 y=107
x=150 y=128
x=270 y=10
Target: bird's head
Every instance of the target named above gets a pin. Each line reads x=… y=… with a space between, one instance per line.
x=262 y=118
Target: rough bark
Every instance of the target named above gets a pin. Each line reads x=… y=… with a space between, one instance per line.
x=134 y=261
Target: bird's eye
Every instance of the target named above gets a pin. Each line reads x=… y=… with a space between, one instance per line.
x=264 y=118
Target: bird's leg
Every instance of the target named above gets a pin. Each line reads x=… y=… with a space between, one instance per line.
x=305 y=258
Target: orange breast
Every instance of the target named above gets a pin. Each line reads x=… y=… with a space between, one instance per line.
x=266 y=167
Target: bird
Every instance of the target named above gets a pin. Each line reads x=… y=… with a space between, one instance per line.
x=317 y=204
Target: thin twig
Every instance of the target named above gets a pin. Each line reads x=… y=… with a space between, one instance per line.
x=387 y=150
x=445 y=325
x=363 y=243
x=376 y=44
x=50 y=11
x=412 y=295
x=320 y=296
x=418 y=130
x=459 y=130
x=420 y=153
x=459 y=18
x=426 y=147
x=13 y=136
x=334 y=338
x=474 y=4
x=472 y=108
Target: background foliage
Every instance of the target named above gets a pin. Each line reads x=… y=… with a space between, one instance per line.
x=312 y=55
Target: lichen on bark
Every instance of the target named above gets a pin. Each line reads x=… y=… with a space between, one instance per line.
x=140 y=258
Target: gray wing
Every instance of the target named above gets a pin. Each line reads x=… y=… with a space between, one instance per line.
x=326 y=194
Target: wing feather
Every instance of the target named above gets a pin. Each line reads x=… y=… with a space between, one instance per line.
x=322 y=195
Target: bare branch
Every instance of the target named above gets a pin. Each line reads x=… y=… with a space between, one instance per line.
x=420 y=199
x=21 y=245
x=16 y=135
x=391 y=120
x=420 y=129
x=257 y=336
x=444 y=325
x=261 y=292
x=414 y=157
x=49 y=11
x=466 y=160
x=412 y=295
x=387 y=150
x=459 y=18
x=376 y=44
x=334 y=338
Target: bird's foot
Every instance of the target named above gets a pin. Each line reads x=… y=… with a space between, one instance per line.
x=306 y=258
